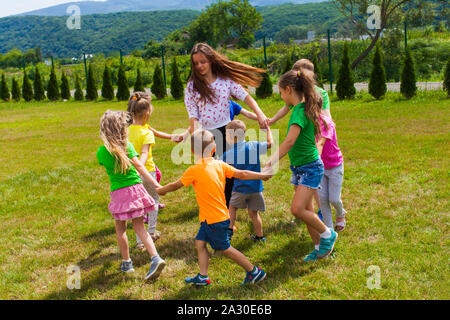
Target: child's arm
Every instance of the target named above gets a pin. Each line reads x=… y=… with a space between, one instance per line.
x=269 y=138
x=143 y=172
x=319 y=144
x=280 y=114
x=286 y=145
x=252 y=175
x=164 y=135
x=174 y=186
x=248 y=114
x=143 y=157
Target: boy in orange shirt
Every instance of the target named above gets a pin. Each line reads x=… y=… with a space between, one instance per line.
x=208 y=178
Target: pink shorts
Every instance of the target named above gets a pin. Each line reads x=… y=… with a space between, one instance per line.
x=130 y=202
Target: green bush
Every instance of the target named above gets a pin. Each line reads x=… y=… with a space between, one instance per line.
x=377 y=82
x=53 y=89
x=78 y=95
x=345 y=87
x=91 y=87
x=27 y=89
x=176 y=85
x=447 y=77
x=123 y=91
x=107 y=86
x=408 y=86
x=38 y=87
x=65 y=88
x=4 y=91
x=15 y=91
x=158 y=87
x=317 y=71
x=139 y=84
x=265 y=89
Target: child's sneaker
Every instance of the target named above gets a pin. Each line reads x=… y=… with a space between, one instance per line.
x=156 y=267
x=259 y=239
x=327 y=245
x=198 y=280
x=127 y=266
x=254 y=277
x=312 y=256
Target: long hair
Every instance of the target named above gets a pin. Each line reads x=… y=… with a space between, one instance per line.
x=240 y=73
x=113 y=132
x=138 y=104
x=303 y=83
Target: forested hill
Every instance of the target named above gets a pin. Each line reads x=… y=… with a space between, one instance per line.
x=106 y=33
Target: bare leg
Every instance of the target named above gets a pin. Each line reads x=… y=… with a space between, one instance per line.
x=122 y=240
x=301 y=208
x=232 y=210
x=139 y=228
x=257 y=222
x=239 y=258
x=203 y=256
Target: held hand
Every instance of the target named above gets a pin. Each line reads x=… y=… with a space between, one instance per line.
x=267 y=172
x=160 y=191
x=177 y=138
x=263 y=122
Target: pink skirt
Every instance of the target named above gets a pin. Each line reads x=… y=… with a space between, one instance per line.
x=131 y=202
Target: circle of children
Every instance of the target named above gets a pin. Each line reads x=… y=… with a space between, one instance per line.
x=224 y=179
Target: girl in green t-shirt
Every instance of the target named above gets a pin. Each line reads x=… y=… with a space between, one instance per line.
x=129 y=199
x=297 y=89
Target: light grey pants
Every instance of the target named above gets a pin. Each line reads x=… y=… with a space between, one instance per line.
x=152 y=215
x=330 y=194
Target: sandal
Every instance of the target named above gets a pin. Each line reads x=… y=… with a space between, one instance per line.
x=340 y=224
x=140 y=246
x=155 y=235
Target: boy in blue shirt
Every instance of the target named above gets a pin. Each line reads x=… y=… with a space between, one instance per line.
x=246 y=194
x=236 y=109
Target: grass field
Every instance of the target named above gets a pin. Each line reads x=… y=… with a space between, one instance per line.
x=54 y=197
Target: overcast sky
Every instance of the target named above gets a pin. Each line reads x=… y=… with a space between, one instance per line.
x=10 y=7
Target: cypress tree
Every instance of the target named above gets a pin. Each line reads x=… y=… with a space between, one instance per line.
x=176 y=86
x=107 y=87
x=27 y=89
x=53 y=89
x=123 y=91
x=158 y=87
x=265 y=88
x=4 y=91
x=15 y=92
x=317 y=71
x=91 y=88
x=408 y=77
x=139 y=84
x=447 y=77
x=65 y=88
x=345 y=87
x=287 y=65
x=78 y=95
x=377 y=82
x=38 y=87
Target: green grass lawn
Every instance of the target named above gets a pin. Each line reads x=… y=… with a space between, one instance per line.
x=54 y=197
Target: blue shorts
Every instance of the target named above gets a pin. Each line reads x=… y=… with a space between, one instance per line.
x=308 y=175
x=216 y=234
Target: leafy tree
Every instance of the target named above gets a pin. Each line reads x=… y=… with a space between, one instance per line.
x=38 y=87
x=408 y=86
x=4 y=91
x=78 y=95
x=123 y=91
x=317 y=71
x=447 y=77
x=158 y=87
x=65 y=88
x=27 y=89
x=377 y=82
x=287 y=64
x=91 y=88
x=139 y=84
x=176 y=85
x=53 y=89
x=15 y=91
x=291 y=32
x=345 y=88
x=107 y=86
x=265 y=88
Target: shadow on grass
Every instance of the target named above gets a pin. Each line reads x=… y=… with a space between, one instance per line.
x=168 y=216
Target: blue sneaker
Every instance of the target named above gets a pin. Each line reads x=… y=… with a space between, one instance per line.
x=319 y=213
x=127 y=266
x=254 y=277
x=259 y=239
x=312 y=256
x=156 y=267
x=327 y=245
x=197 y=280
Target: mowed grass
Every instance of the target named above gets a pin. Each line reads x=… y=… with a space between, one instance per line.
x=54 y=197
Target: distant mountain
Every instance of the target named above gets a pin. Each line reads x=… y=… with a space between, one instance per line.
x=110 y=6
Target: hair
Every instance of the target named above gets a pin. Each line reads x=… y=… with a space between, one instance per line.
x=113 y=132
x=237 y=129
x=138 y=104
x=201 y=140
x=241 y=73
x=303 y=83
x=303 y=64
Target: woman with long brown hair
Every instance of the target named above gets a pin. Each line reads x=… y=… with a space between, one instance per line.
x=213 y=81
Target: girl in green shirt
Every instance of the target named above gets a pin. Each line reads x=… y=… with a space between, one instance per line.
x=297 y=89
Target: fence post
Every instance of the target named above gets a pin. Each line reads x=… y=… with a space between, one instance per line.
x=330 y=76
x=85 y=67
x=163 y=65
x=265 y=54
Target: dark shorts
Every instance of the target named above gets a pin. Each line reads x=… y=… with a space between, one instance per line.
x=216 y=234
x=308 y=175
